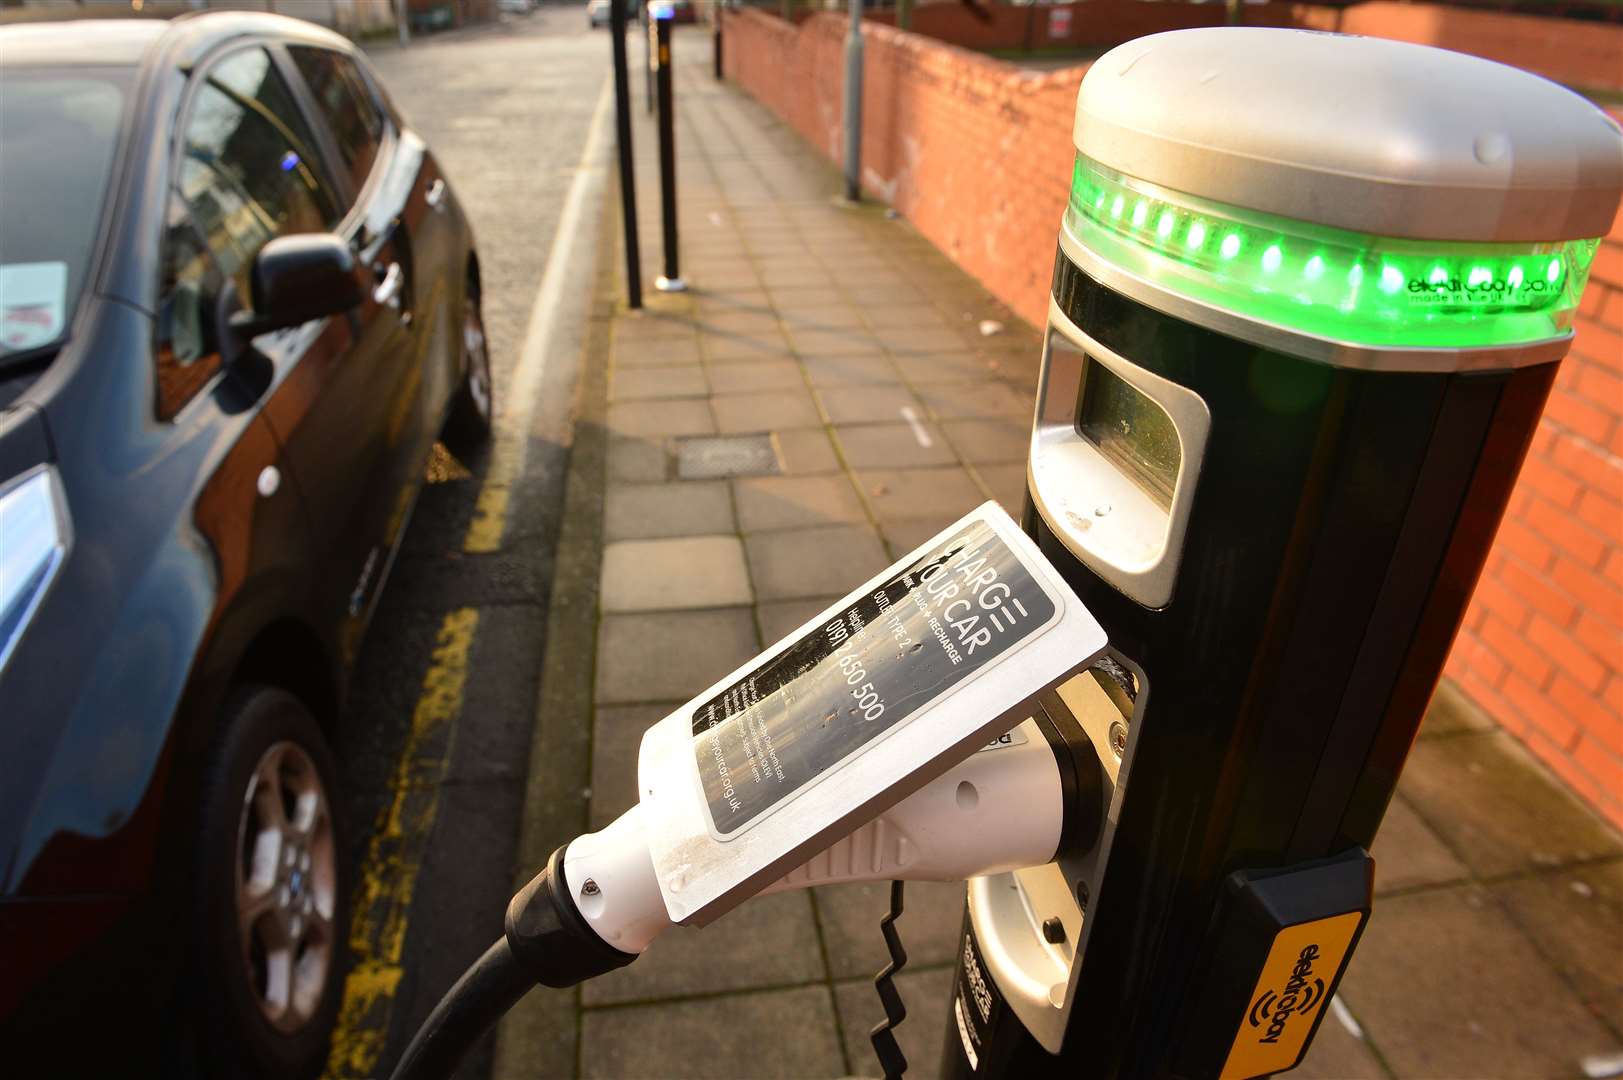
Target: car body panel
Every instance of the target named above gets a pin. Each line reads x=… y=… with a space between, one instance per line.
x=207 y=544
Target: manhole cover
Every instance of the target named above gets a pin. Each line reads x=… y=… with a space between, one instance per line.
x=710 y=456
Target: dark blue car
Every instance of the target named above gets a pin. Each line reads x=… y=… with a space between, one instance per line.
x=239 y=302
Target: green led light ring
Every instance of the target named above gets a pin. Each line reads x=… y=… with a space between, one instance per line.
x=1331 y=283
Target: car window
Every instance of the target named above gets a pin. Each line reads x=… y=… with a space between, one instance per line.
x=248 y=171
x=346 y=103
x=59 y=128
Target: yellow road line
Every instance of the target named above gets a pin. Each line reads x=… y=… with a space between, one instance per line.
x=394 y=855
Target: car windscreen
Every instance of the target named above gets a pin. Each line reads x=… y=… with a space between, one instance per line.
x=58 y=131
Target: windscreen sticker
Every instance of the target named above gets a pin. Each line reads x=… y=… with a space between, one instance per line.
x=33 y=298
x=863 y=671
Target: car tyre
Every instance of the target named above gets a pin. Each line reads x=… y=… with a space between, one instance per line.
x=469 y=423
x=273 y=892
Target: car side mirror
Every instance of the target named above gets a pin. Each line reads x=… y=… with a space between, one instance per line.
x=299 y=278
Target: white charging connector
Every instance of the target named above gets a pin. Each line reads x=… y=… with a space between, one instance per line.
x=1002 y=809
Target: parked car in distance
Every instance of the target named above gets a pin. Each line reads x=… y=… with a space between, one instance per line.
x=239 y=302
x=515 y=7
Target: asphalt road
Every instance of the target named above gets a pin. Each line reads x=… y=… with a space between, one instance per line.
x=434 y=747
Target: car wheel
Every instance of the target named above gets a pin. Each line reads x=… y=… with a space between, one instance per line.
x=273 y=892
x=468 y=424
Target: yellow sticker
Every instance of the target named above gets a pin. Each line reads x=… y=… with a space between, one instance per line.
x=1289 y=995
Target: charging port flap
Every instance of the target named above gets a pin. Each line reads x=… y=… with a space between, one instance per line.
x=860 y=707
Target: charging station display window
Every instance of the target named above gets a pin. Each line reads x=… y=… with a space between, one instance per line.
x=862 y=672
x=1130 y=430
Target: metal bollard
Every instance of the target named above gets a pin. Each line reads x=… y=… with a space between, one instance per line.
x=671 y=280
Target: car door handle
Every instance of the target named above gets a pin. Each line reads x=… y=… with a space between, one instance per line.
x=388 y=290
x=436 y=196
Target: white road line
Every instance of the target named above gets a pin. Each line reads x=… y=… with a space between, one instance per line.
x=513 y=434
x=912 y=418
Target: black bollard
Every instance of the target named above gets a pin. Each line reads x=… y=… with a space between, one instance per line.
x=622 y=129
x=671 y=280
x=717 y=36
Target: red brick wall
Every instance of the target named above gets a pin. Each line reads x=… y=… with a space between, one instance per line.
x=1542 y=646
x=977 y=155
x=974 y=153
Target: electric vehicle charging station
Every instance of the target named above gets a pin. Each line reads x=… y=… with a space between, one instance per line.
x=1309 y=298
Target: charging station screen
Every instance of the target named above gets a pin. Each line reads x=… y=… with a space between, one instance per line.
x=862 y=671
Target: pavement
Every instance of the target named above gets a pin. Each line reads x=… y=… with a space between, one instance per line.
x=839 y=358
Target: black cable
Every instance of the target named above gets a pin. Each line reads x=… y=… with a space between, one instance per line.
x=491 y=986
x=885 y=1047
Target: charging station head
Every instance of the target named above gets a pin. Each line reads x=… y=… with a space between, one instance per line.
x=1370 y=192
x=854 y=711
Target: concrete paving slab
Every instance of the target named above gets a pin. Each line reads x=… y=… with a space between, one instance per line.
x=904 y=536
x=820 y=342
x=671 y=574
x=921 y=1037
x=782 y=617
x=834 y=317
x=867 y=404
x=684 y=508
x=865 y=369
x=669 y=656
x=617 y=732
x=1497 y=808
x=979 y=400
x=806 y=450
x=1446 y=985
x=639 y=384
x=901 y=494
x=742 y=348
x=1338 y=1054
x=760 y=1034
x=762 y=323
x=1451 y=713
x=1006 y=484
x=795 y=502
x=943 y=365
x=989 y=442
x=1408 y=853
x=919 y=340
x=709 y=302
x=683 y=416
x=1575 y=918
x=769 y=410
x=657 y=352
x=932 y=918
x=786 y=273
x=888 y=296
x=896 y=446
x=754 y=378
x=904 y=315
x=803 y=294
x=637 y=460
x=774 y=938
x=813 y=562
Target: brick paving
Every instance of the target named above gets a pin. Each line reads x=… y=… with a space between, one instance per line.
x=1497 y=946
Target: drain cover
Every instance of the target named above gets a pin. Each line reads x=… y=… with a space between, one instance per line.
x=710 y=456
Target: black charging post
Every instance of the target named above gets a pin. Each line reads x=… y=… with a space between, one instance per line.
x=671 y=279
x=622 y=138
